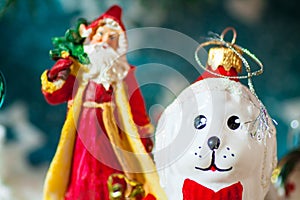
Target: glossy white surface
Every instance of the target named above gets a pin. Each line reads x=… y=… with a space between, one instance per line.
x=182 y=151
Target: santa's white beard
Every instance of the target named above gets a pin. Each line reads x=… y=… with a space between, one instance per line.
x=106 y=65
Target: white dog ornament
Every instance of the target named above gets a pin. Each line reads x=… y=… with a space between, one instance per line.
x=215 y=141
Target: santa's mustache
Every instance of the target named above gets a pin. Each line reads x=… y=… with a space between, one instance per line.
x=101 y=53
x=105 y=62
x=104 y=46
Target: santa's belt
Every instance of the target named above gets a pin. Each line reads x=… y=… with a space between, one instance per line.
x=93 y=104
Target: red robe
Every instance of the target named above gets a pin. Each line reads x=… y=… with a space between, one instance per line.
x=94 y=159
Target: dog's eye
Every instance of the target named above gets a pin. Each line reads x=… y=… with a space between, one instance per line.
x=200 y=122
x=233 y=122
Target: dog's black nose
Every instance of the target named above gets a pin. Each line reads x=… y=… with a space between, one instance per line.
x=213 y=142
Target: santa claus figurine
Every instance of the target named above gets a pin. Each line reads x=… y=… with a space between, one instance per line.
x=216 y=141
x=90 y=63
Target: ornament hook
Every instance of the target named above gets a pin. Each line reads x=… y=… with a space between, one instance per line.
x=233 y=32
x=235 y=48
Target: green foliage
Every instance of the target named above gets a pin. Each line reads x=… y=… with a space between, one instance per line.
x=71 y=43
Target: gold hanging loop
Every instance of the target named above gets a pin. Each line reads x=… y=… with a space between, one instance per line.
x=233 y=32
x=221 y=43
x=237 y=55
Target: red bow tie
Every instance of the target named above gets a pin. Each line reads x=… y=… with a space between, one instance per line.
x=194 y=191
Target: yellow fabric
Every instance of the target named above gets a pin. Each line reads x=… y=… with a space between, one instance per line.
x=120 y=144
x=139 y=160
x=58 y=174
x=76 y=66
x=93 y=104
x=57 y=177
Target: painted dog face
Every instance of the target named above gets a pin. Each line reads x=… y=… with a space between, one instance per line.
x=216 y=134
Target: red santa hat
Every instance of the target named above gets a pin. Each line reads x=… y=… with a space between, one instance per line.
x=112 y=17
x=114 y=13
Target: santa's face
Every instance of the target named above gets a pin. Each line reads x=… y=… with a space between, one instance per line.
x=208 y=135
x=107 y=64
x=107 y=35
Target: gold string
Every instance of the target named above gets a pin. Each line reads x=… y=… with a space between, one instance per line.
x=219 y=40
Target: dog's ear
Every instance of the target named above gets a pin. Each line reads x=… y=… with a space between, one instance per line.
x=270 y=157
x=164 y=135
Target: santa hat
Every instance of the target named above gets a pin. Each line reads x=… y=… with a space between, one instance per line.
x=111 y=17
x=223 y=61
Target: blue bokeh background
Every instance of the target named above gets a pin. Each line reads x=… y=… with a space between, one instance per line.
x=269 y=28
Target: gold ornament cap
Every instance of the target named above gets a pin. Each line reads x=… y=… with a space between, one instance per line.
x=224 y=56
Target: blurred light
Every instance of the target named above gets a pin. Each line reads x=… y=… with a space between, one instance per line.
x=295 y=124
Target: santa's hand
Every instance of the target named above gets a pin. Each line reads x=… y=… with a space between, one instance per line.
x=64 y=74
x=60 y=65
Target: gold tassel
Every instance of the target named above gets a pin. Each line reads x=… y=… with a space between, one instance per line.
x=117 y=192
